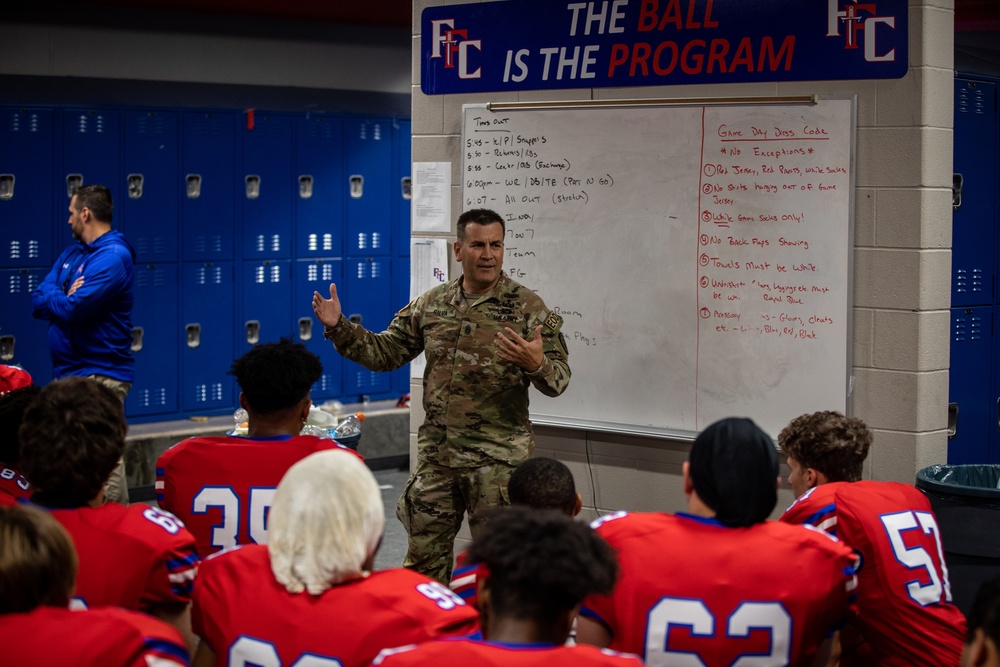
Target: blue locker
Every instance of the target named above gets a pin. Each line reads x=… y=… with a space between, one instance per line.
x=266 y=297
x=91 y=153
x=23 y=339
x=207 y=348
x=975 y=167
x=148 y=203
x=27 y=202
x=366 y=299
x=369 y=186
x=403 y=191
x=315 y=275
x=154 y=341
x=208 y=181
x=400 y=382
x=266 y=187
x=319 y=178
x=973 y=419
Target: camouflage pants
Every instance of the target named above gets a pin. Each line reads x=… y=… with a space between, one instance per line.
x=116 y=489
x=434 y=503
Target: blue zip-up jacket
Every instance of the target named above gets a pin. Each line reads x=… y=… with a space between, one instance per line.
x=90 y=332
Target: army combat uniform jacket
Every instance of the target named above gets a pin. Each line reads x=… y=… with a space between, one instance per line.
x=475 y=403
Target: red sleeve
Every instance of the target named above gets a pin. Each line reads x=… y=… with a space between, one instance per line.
x=153 y=643
x=172 y=575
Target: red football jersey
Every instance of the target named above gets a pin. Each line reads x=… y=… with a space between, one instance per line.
x=690 y=585
x=130 y=557
x=904 y=597
x=244 y=614
x=221 y=487
x=502 y=654
x=13 y=486
x=55 y=637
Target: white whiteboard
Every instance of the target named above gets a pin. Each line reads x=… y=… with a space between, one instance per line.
x=699 y=255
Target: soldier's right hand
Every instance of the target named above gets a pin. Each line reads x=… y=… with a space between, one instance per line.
x=327 y=310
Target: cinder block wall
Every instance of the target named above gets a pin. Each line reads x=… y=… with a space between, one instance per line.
x=902 y=265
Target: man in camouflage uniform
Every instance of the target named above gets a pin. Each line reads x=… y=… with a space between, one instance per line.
x=486 y=338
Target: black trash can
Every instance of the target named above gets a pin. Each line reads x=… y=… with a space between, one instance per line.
x=966 y=500
x=349 y=441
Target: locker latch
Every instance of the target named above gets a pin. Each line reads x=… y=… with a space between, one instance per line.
x=73 y=183
x=355 y=318
x=137 y=339
x=956 y=191
x=253 y=332
x=6 y=348
x=952 y=420
x=357 y=186
x=406 y=186
x=305 y=328
x=253 y=186
x=6 y=186
x=135 y=186
x=305 y=186
x=193 y=186
x=193 y=334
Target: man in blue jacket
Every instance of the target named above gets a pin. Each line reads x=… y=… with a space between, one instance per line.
x=87 y=299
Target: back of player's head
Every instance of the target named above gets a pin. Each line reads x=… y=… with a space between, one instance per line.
x=72 y=436
x=326 y=522
x=543 y=483
x=12 y=407
x=37 y=560
x=478 y=216
x=541 y=563
x=734 y=469
x=276 y=376
x=829 y=442
x=985 y=612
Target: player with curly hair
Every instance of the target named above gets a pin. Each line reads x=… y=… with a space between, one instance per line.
x=221 y=486
x=135 y=557
x=905 y=611
x=538 y=565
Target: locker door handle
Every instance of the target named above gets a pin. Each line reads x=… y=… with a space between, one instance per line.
x=406 y=188
x=134 y=183
x=952 y=420
x=957 y=181
x=73 y=183
x=305 y=186
x=253 y=332
x=6 y=186
x=305 y=328
x=193 y=333
x=137 y=333
x=357 y=186
x=6 y=348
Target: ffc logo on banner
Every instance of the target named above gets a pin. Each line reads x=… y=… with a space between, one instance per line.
x=541 y=44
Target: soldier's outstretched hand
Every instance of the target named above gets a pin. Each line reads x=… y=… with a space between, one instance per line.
x=327 y=310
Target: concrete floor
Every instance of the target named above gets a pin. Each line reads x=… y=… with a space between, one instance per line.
x=393 y=548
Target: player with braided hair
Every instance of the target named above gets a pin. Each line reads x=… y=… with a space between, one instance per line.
x=538 y=565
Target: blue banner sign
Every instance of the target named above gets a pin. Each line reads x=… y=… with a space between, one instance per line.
x=543 y=44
